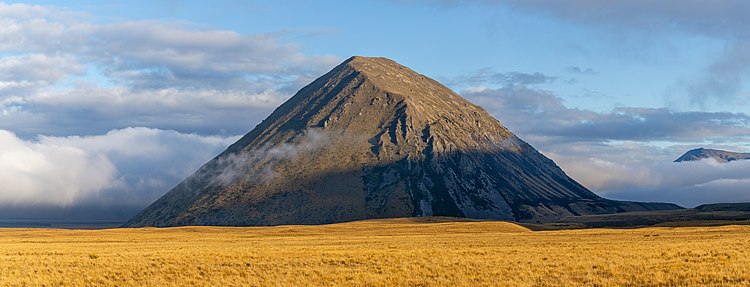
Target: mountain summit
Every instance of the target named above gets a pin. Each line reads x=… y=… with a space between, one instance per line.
x=374 y=139
x=718 y=155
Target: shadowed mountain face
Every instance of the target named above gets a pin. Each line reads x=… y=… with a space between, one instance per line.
x=374 y=139
x=718 y=155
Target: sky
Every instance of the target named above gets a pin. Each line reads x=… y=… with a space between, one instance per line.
x=104 y=106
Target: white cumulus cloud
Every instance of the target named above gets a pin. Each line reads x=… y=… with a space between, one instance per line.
x=49 y=174
x=126 y=167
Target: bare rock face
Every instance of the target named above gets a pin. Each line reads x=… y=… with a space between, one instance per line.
x=374 y=139
x=718 y=155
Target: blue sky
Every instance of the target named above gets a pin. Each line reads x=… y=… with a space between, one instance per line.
x=443 y=39
x=141 y=93
x=634 y=66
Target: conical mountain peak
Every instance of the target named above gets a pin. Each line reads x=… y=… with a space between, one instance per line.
x=395 y=78
x=368 y=96
x=374 y=139
x=423 y=106
x=375 y=65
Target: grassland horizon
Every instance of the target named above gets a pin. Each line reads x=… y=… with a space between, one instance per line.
x=387 y=252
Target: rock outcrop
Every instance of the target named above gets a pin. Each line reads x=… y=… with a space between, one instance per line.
x=718 y=155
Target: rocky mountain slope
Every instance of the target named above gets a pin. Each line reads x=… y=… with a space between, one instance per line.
x=718 y=155
x=374 y=139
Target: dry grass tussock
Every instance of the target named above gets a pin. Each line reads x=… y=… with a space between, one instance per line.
x=402 y=252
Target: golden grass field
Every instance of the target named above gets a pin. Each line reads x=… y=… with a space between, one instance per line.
x=400 y=252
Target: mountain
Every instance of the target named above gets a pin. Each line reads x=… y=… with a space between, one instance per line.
x=374 y=139
x=718 y=155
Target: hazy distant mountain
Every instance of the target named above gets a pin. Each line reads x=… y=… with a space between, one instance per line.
x=719 y=155
x=374 y=139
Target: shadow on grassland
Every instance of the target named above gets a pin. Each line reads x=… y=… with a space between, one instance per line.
x=704 y=215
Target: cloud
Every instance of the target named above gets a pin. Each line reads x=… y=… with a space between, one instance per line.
x=723 y=81
x=90 y=109
x=685 y=183
x=541 y=114
x=38 y=69
x=25 y=75
x=153 y=54
x=236 y=165
x=31 y=171
x=61 y=69
x=35 y=28
x=507 y=79
x=127 y=168
x=581 y=71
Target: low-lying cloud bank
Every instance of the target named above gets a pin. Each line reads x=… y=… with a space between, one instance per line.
x=685 y=183
x=116 y=173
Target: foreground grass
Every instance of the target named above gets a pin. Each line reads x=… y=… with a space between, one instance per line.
x=400 y=252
